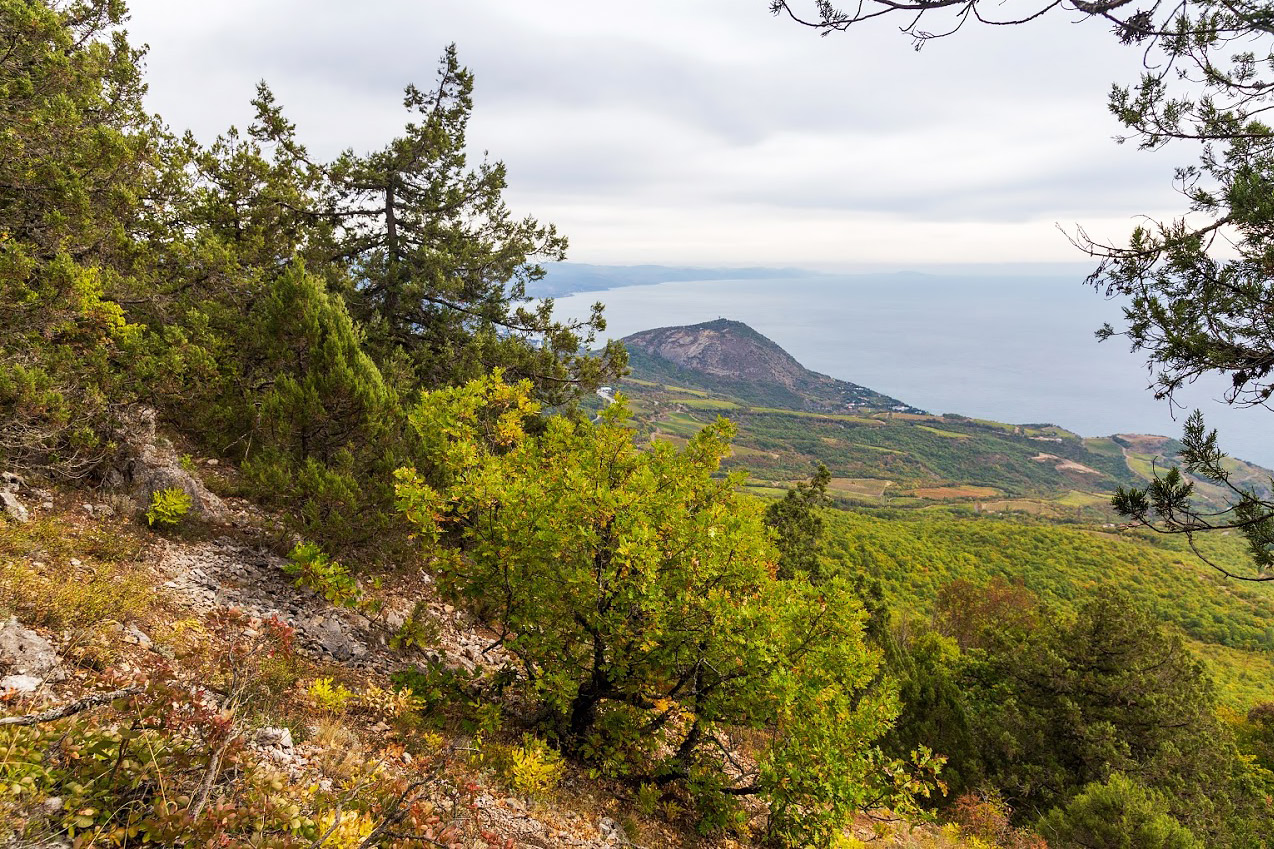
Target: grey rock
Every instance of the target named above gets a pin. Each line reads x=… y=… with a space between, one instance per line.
x=275 y=738
x=12 y=481
x=135 y=635
x=24 y=651
x=13 y=507
x=395 y=620
x=332 y=639
x=19 y=684
x=154 y=466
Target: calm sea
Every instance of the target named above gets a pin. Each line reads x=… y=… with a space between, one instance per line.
x=1013 y=349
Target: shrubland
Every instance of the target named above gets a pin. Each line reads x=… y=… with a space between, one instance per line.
x=351 y=336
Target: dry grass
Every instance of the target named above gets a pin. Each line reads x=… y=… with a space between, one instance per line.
x=1020 y=505
x=937 y=493
x=58 y=573
x=872 y=487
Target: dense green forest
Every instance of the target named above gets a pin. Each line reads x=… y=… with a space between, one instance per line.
x=352 y=342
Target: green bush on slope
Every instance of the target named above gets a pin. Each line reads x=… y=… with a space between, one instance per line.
x=636 y=591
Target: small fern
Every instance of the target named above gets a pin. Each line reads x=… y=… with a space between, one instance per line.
x=167 y=506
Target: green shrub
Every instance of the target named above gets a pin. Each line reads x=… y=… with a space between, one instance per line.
x=435 y=685
x=313 y=570
x=420 y=629
x=640 y=594
x=1119 y=814
x=167 y=507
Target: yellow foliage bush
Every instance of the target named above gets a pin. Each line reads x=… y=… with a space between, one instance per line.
x=351 y=828
x=388 y=704
x=167 y=506
x=533 y=768
x=329 y=696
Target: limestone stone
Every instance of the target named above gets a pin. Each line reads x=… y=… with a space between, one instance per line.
x=24 y=652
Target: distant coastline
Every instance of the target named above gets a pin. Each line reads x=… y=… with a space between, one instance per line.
x=572 y=278
x=1002 y=347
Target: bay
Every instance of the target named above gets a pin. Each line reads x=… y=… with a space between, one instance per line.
x=1017 y=349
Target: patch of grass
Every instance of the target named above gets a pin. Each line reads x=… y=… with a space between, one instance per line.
x=678 y=441
x=881 y=449
x=687 y=390
x=1103 y=445
x=1008 y=428
x=766 y=491
x=1019 y=505
x=941 y=492
x=681 y=424
x=859 y=486
x=950 y=434
x=745 y=451
x=705 y=403
x=806 y=414
x=42 y=586
x=1141 y=464
x=1075 y=498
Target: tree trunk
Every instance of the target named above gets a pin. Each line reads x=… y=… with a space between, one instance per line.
x=393 y=287
x=584 y=706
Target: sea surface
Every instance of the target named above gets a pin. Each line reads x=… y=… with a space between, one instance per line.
x=1016 y=349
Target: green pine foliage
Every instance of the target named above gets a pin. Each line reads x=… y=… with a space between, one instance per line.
x=76 y=153
x=213 y=284
x=798 y=526
x=1043 y=707
x=325 y=429
x=1119 y=814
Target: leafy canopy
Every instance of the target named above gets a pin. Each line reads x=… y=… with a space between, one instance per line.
x=636 y=591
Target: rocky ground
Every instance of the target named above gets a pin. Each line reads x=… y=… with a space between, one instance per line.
x=223 y=571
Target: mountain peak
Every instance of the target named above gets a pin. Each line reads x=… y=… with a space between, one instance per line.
x=722 y=348
x=729 y=356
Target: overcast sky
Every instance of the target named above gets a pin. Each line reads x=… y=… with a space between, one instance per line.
x=704 y=131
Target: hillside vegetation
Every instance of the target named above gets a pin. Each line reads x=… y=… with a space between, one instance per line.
x=879 y=450
x=314 y=537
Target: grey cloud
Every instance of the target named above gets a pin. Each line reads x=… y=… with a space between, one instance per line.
x=669 y=103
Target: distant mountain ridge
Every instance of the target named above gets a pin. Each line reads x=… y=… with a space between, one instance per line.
x=729 y=357
x=568 y=278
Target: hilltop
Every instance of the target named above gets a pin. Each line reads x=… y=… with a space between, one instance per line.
x=730 y=358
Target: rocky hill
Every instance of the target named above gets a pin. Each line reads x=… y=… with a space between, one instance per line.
x=730 y=358
x=880 y=449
